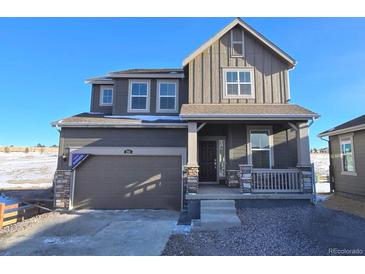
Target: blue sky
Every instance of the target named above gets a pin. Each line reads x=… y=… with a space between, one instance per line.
x=44 y=62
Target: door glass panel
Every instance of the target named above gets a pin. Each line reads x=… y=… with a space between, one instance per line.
x=221 y=158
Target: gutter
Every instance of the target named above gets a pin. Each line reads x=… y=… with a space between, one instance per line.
x=247 y=116
x=125 y=125
x=341 y=131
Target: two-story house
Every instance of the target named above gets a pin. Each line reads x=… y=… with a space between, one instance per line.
x=157 y=137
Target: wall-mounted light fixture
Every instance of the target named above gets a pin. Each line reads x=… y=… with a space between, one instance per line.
x=66 y=154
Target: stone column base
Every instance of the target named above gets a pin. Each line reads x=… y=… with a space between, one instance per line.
x=233 y=178
x=192 y=178
x=246 y=178
x=62 y=188
x=306 y=177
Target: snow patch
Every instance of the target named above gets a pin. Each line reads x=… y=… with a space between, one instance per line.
x=182 y=229
x=27 y=170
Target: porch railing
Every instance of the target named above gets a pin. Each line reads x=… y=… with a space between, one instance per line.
x=276 y=180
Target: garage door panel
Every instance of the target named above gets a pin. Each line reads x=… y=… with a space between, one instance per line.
x=129 y=182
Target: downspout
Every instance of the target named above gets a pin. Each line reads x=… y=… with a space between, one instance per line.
x=331 y=175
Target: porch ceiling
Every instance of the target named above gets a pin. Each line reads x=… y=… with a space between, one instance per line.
x=245 y=112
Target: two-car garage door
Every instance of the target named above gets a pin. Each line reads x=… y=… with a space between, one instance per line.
x=116 y=182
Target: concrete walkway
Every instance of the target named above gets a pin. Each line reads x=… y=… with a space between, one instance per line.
x=217 y=214
x=112 y=232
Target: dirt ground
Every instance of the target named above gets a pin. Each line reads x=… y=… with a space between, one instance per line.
x=341 y=203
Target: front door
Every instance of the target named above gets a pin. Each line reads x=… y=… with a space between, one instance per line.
x=207 y=161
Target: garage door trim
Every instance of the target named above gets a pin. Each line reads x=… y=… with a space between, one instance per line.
x=125 y=151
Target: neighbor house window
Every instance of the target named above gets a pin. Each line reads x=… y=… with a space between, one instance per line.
x=347 y=155
x=106 y=96
x=237 y=42
x=260 y=145
x=167 y=96
x=238 y=83
x=139 y=93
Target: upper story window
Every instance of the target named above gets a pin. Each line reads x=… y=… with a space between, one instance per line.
x=347 y=155
x=237 y=42
x=167 y=96
x=238 y=83
x=106 y=96
x=139 y=96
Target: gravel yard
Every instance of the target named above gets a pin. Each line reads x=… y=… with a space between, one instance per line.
x=277 y=228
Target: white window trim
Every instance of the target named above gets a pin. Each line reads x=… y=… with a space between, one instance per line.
x=102 y=88
x=271 y=143
x=238 y=42
x=345 y=139
x=147 y=109
x=175 y=110
x=252 y=82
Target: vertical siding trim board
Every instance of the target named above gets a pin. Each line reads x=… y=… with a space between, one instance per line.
x=210 y=73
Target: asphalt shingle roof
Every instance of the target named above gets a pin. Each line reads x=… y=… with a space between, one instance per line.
x=241 y=110
x=352 y=123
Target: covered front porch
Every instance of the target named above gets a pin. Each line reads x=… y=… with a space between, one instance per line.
x=245 y=159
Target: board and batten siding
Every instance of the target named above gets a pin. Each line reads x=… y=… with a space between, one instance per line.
x=349 y=184
x=270 y=72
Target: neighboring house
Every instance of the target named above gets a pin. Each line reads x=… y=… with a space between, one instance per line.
x=347 y=157
x=157 y=137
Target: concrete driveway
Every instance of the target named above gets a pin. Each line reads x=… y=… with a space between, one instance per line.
x=112 y=232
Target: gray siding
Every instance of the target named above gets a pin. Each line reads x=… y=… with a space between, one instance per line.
x=347 y=183
x=81 y=137
x=285 y=147
x=205 y=73
x=284 y=138
x=95 y=101
x=120 y=104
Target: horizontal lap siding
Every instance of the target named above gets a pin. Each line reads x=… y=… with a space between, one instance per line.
x=284 y=138
x=347 y=183
x=285 y=147
x=95 y=101
x=120 y=98
x=205 y=72
x=236 y=146
x=119 y=138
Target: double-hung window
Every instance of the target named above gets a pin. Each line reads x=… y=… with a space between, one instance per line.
x=347 y=155
x=167 y=96
x=139 y=96
x=106 y=96
x=237 y=42
x=238 y=83
x=260 y=147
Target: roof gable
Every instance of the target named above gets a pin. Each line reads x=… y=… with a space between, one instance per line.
x=247 y=28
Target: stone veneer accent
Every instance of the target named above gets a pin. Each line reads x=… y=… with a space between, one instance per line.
x=307 y=180
x=62 y=188
x=233 y=178
x=192 y=178
x=246 y=177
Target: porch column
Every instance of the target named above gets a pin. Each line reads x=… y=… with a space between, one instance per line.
x=192 y=168
x=303 y=151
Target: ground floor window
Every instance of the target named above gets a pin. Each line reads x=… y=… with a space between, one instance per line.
x=260 y=145
x=347 y=155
